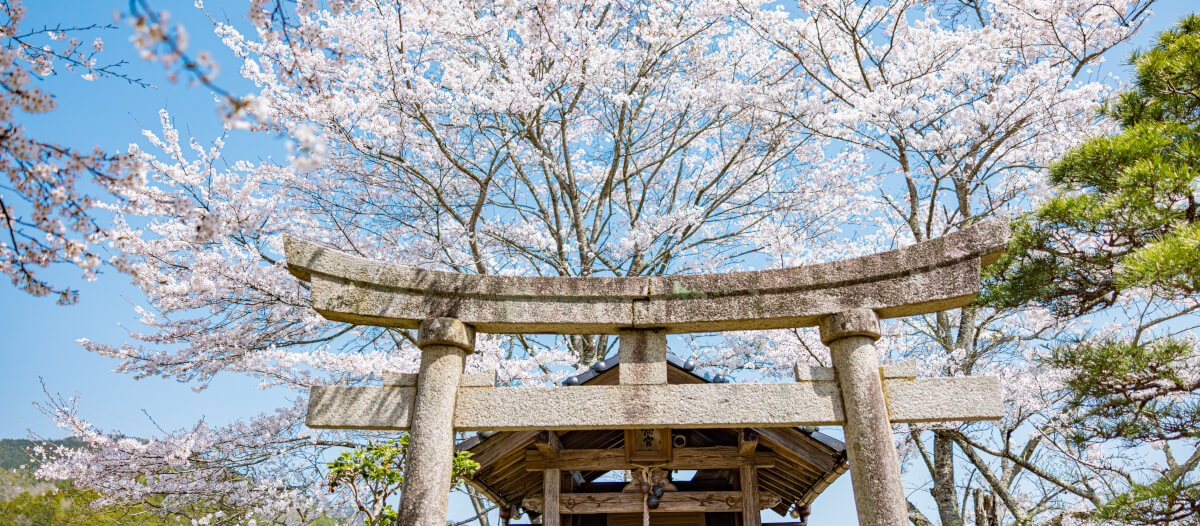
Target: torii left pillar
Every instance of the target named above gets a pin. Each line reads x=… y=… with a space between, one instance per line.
x=444 y=344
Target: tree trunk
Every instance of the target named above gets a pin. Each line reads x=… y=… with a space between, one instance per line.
x=587 y=347
x=987 y=509
x=944 y=492
x=980 y=513
x=916 y=517
x=992 y=504
x=480 y=505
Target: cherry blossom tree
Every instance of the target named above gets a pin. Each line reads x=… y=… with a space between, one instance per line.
x=45 y=202
x=963 y=109
x=598 y=139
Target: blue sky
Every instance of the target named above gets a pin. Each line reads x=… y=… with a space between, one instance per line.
x=39 y=337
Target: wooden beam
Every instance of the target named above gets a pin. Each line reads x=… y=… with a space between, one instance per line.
x=794 y=444
x=676 y=501
x=748 y=476
x=497 y=446
x=547 y=442
x=551 y=482
x=747 y=442
x=670 y=502
x=659 y=406
x=717 y=457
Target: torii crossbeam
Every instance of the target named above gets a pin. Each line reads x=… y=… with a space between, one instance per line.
x=845 y=298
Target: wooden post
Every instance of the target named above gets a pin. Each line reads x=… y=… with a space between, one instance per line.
x=551 y=480
x=444 y=344
x=874 y=464
x=747 y=442
x=547 y=442
x=749 y=479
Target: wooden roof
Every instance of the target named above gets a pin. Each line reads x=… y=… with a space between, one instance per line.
x=806 y=461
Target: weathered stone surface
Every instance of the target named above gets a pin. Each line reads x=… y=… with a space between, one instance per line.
x=373 y=408
x=676 y=405
x=905 y=369
x=429 y=462
x=934 y=275
x=810 y=373
x=642 y=406
x=643 y=354
x=446 y=331
x=932 y=399
x=798 y=297
x=853 y=322
x=874 y=465
x=480 y=379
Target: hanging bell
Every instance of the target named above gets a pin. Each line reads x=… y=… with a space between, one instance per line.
x=652 y=501
x=657 y=491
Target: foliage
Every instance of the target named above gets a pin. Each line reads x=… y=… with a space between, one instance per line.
x=1123 y=231
x=376 y=472
x=26 y=500
x=64 y=505
x=1168 y=500
x=1132 y=392
x=17 y=481
x=1125 y=213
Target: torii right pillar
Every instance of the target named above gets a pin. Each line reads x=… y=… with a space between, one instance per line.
x=874 y=464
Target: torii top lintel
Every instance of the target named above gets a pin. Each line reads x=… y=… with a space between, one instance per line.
x=938 y=274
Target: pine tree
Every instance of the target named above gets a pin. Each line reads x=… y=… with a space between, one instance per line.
x=1121 y=237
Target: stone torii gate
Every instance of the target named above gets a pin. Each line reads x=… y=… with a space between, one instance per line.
x=845 y=299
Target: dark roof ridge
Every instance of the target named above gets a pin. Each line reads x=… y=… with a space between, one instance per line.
x=688 y=366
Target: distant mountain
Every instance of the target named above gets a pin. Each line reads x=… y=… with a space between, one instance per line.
x=17 y=467
x=14 y=453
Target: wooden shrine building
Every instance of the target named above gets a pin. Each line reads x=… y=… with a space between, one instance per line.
x=780 y=468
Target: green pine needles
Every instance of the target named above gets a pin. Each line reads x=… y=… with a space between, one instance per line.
x=1124 y=224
